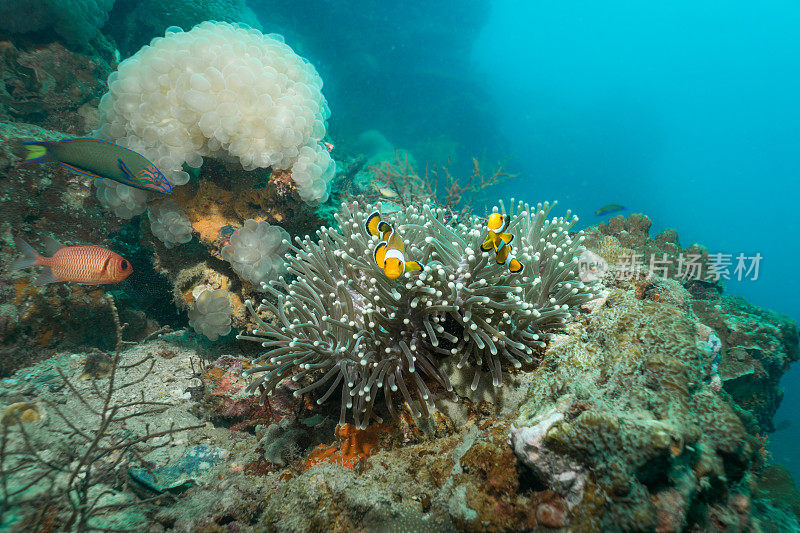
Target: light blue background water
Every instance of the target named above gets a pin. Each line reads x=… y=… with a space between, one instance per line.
x=687 y=111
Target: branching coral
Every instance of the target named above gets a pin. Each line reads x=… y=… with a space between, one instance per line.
x=342 y=322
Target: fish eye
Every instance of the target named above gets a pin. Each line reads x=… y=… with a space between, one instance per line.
x=124 y=264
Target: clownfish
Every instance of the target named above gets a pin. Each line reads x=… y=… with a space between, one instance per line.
x=499 y=240
x=376 y=227
x=390 y=256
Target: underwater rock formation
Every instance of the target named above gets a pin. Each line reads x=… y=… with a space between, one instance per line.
x=619 y=430
x=50 y=201
x=614 y=426
x=77 y=21
x=51 y=86
x=757 y=347
x=626 y=244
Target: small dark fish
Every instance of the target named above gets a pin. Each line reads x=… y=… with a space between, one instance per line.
x=783 y=424
x=100 y=159
x=608 y=209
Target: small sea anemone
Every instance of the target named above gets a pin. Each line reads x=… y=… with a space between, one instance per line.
x=341 y=323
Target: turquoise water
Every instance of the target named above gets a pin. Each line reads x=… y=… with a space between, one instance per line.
x=685 y=111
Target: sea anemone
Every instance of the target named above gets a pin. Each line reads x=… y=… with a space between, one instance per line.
x=341 y=323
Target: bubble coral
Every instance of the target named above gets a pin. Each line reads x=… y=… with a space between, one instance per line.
x=124 y=201
x=169 y=223
x=225 y=91
x=342 y=322
x=211 y=314
x=256 y=251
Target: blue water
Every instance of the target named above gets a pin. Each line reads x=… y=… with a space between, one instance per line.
x=687 y=111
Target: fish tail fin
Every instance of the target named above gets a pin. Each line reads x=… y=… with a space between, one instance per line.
x=45 y=276
x=28 y=258
x=38 y=152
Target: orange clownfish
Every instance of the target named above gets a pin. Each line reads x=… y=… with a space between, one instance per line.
x=377 y=227
x=390 y=252
x=390 y=256
x=499 y=240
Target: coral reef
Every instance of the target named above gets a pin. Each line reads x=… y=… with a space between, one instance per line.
x=757 y=347
x=256 y=251
x=648 y=435
x=625 y=243
x=616 y=427
x=77 y=21
x=50 y=86
x=51 y=201
x=343 y=321
x=211 y=314
x=641 y=404
x=223 y=91
x=68 y=468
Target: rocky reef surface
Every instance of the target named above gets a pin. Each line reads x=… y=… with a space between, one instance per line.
x=618 y=427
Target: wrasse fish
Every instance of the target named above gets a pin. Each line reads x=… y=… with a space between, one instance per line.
x=608 y=209
x=100 y=159
x=389 y=255
x=499 y=240
x=86 y=264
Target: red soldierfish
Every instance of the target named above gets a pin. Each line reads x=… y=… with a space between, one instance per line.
x=87 y=264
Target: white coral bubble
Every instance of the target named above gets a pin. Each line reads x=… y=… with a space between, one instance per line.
x=211 y=314
x=256 y=251
x=221 y=90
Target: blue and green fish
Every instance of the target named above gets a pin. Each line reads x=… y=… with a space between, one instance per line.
x=100 y=159
x=609 y=209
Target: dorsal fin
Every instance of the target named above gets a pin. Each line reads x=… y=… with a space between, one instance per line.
x=371 y=224
x=51 y=245
x=396 y=242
